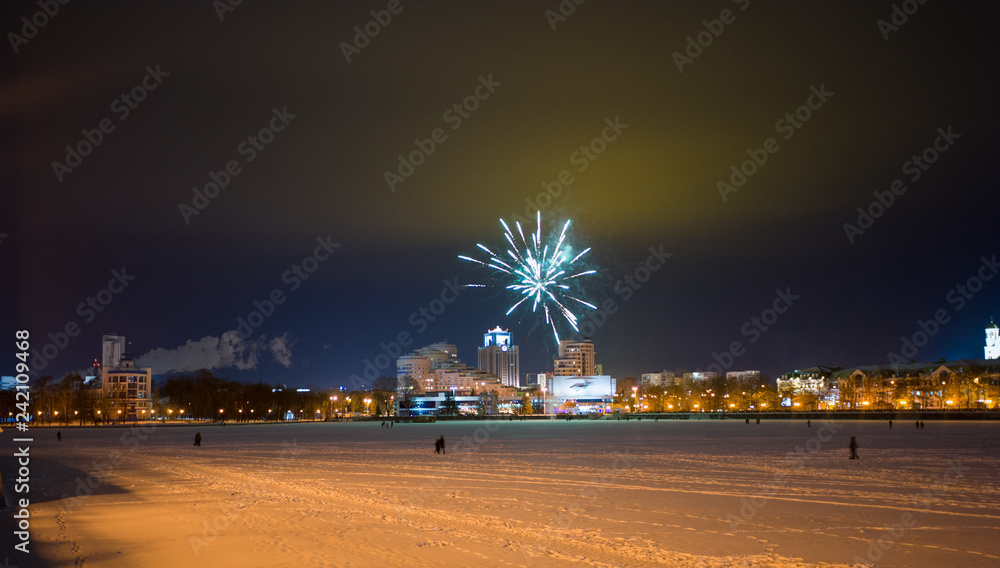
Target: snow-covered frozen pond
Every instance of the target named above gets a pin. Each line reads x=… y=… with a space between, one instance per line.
x=534 y=493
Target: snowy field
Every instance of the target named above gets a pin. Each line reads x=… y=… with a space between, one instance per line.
x=538 y=493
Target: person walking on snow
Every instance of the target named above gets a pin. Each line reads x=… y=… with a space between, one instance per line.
x=854 y=448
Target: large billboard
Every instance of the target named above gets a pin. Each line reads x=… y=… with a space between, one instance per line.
x=582 y=387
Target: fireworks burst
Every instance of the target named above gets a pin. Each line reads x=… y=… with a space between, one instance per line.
x=540 y=272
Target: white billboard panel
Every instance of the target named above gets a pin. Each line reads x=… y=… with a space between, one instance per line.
x=582 y=387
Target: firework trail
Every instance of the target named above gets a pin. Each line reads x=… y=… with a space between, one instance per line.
x=540 y=272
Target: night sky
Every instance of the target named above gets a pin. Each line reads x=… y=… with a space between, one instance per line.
x=194 y=266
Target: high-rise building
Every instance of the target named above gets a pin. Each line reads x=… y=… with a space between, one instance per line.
x=112 y=350
x=499 y=356
x=992 y=341
x=412 y=366
x=576 y=359
x=125 y=388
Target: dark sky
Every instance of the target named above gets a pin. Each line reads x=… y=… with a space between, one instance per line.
x=654 y=186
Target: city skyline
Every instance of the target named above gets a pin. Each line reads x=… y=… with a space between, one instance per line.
x=283 y=196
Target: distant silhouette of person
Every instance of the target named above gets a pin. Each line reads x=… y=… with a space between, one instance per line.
x=758 y=421
x=890 y=424
x=854 y=448
x=748 y=420
x=921 y=424
x=918 y=424
x=197 y=439
x=809 y=423
x=439 y=444
x=59 y=436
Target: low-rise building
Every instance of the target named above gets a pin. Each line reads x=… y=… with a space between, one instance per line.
x=661 y=379
x=125 y=391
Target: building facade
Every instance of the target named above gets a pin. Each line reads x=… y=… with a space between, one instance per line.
x=499 y=356
x=942 y=385
x=661 y=379
x=575 y=359
x=125 y=391
x=437 y=368
x=743 y=377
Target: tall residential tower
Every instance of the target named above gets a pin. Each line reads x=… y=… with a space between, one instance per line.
x=576 y=359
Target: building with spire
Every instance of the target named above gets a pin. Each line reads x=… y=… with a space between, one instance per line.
x=992 y=341
x=499 y=356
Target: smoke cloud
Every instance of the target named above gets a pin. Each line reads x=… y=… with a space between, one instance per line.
x=218 y=353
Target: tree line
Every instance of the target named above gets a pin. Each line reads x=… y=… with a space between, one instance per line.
x=198 y=396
